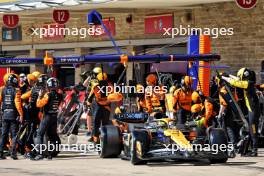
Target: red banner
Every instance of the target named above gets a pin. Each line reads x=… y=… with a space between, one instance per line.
x=110 y=25
x=61 y=16
x=155 y=24
x=3 y=71
x=10 y=20
x=54 y=31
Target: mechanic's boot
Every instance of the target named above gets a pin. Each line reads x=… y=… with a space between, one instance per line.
x=28 y=155
x=49 y=157
x=2 y=156
x=8 y=153
x=254 y=153
x=232 y=154
x=38 y=157
x=14 y=156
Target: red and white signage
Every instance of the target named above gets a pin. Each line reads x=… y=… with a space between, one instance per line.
x=155 y=24
x=10 y=20
x=246 y=4
x=61 y=16
x=109 y=24
x=54 y=31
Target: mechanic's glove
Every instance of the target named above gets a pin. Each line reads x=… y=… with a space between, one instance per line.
x=20 y=119
x=200 y=122
x=191 y=124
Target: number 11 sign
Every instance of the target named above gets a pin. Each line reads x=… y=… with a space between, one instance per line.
x=61 y=16
x=10 y=20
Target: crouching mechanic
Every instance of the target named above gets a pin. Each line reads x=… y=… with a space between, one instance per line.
x=50 y=103
x=100 y=91
x=12 y=109
x=206 y=109
x=246 y=81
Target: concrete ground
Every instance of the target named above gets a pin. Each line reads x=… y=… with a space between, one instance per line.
x=69 y=163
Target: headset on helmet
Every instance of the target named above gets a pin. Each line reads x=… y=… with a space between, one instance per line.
x=52 y=83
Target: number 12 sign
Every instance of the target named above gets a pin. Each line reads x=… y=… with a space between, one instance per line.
x=61 y=16
x=10 y=20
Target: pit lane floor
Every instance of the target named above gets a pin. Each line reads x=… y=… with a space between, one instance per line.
x=67 y=164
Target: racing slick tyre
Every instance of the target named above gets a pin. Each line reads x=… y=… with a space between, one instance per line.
x=218 y=136
x=110 y=142
x=139 y=145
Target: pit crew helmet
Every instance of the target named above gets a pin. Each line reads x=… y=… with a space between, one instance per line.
x=151 y=79
x=97 y=70
x=12 y=80
x=42 y=80
x=52 y=83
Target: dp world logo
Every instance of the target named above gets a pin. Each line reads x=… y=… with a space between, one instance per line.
x=246 y=4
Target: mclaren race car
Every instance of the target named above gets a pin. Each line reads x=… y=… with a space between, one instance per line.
x=162 y=139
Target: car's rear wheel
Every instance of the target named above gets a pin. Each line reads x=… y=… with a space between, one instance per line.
x=217 y=136
x=110 y=142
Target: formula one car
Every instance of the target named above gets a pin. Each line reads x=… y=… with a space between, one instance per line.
x=113 y=136
x=162 y=139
